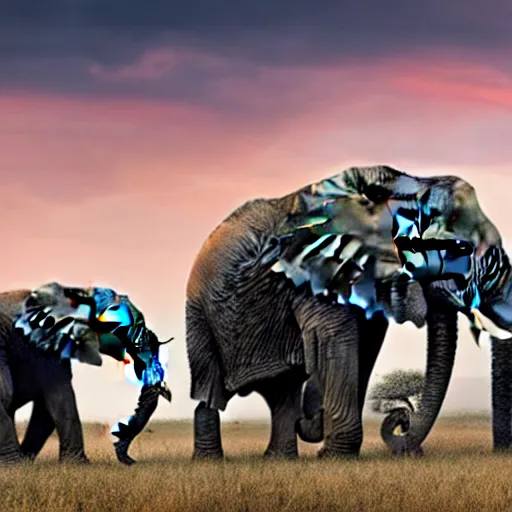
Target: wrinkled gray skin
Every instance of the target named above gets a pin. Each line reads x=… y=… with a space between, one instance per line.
x=245 y=332
x=28 y=374
x=249 y=329
x=441 y=346
x=501 y=382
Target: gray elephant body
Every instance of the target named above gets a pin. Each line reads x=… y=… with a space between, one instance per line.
x=249 y=329
x=231 y=345
x=28 y=374
x=231 y=342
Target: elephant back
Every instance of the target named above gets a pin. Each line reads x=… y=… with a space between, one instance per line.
x=239 y=243
x=230 y=292
x=10 y=304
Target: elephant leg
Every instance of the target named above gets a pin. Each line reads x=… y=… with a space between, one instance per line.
x=343 y=430
x=207 y=386
x=331 y=348
x=371 y=337
x=40 y=427
x=9 y=444
x=501 y=393
x=60 y=403
x=207 y=436
x=283 y=395
x=336 y=336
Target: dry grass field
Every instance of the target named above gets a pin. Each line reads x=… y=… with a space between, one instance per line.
x=459 y=472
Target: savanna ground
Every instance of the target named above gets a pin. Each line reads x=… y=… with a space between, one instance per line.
x=459 y=472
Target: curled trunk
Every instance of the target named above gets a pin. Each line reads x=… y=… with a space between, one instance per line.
x=442 y=342
x=394 y=427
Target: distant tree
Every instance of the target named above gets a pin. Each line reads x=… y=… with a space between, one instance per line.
x=397 y=385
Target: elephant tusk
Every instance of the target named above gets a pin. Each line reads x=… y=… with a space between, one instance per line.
x=486 y=324
x=478 y=321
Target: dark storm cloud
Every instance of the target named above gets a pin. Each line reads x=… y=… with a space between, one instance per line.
x=51 y=44
x=338 y=26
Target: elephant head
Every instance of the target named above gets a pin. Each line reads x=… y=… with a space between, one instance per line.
x=419 y=249
x=456 y=254
x=86 y=323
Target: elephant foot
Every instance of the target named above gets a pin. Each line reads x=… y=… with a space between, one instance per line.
x=311 y=430
x=12 y=461
x=327 y=453
x=207 y=455
x=502 y=449
x=28 y=457
x=121 y=449
x=80 y=459
x=274 y=454
x=207 y=438
x=8 y=458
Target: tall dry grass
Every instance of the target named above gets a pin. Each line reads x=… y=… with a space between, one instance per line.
x=459 y=472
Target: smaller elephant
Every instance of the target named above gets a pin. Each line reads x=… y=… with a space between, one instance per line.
x=40 y=332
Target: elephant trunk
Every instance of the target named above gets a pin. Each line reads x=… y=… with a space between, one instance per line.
x=148 y=400
x=442 y=342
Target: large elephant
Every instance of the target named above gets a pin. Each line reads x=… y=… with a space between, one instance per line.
x=40 y=331
x=251 y=329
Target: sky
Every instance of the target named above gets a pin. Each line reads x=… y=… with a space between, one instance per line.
x=129 y=130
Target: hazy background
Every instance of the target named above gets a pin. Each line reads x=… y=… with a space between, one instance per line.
x=129 y=130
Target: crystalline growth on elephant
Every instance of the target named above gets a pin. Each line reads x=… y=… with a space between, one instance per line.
x=382 y=224
x=86 y=323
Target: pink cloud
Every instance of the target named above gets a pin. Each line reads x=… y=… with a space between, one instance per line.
x=297 y=123
x=138 y=185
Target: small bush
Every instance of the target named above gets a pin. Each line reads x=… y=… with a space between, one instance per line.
x=397 y=385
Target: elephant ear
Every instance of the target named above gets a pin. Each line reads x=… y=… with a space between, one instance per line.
x=50 y=321
x=334 y=236
x=341 y=268
x=486 y=297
